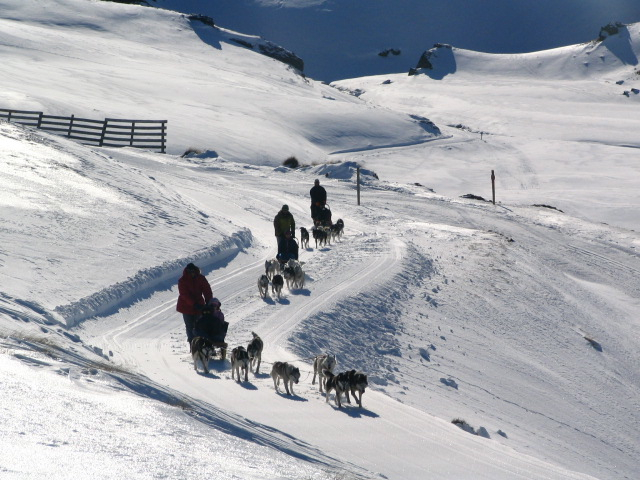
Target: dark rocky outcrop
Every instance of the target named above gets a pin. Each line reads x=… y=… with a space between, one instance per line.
x=612 y=28
x=437 y=63
x=427 y=124
x=256 y=44
x=392 y=51
x=203 y=19
x=274 y=51
x=424 y=61
x=285 y=56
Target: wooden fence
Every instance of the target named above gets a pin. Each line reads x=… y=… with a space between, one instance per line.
x=110 y=132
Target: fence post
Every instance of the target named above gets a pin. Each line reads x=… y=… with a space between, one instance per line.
x=133 y=131
x=358 y=183
x=493 y=186
x=9 y=117
x=104 y=131
x=41 y=114
x=70 y=124
x=164 y=126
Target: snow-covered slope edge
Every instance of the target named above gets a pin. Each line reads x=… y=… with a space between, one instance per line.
x=216 y=94
x=613 y=56
x=546 y=123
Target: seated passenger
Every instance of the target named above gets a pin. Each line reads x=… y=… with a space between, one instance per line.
x=288 y=248
x=211 y=323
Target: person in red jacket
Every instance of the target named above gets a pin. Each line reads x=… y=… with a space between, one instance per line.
x=194 y=293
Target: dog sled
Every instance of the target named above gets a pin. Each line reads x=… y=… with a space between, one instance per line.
x=289 y=250
x=213 y=328
x=323 y=217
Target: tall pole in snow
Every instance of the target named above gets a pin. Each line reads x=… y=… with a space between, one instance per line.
x=493 y=186
x=358 y=183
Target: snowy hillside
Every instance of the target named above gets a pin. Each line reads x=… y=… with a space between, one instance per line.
x=518 y=322
x=215 y=93
x=455 y=310
x=352 y=38
x=558 y=126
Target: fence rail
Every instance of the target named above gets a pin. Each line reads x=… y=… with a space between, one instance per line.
x=110 y=132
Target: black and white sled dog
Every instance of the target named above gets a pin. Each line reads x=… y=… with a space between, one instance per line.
x=320 y=364
x=254 y=350
x=271 y=267
x=289 y=375
x=289 y=275
x=298 y=273
x=357 y=384
x=337 y=229
x=293 y=274
x=304 y=237
x=240 y=361
x=320 y=235
x=339 y=384
x=263 y=286
x=202 y=350
x=277 y=284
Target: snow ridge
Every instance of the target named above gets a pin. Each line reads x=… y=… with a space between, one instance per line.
x=148 y=280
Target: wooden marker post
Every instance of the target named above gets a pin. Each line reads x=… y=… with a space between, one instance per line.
x=358 y=183
x=493 y=186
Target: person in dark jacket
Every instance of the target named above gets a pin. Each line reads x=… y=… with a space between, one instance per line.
x=211 y=323
x=318 y=200
x=194 y=293
x=283 y=223
x=287 y=249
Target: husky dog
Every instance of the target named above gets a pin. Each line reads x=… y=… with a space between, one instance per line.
x=276 y=285
x=202 y=350
x=320 y=364
x=298 y=276
x=357 y=384
x=320 y=235
x=339 y=383
x=292 y=262
x=271 y=267
x=289 y=276
x=263 y=286
x=288 y=373
x=240 y=360
x=304 y=237
x=254 y=349
x=337 y=229
x=327 y=231
x=293 y=274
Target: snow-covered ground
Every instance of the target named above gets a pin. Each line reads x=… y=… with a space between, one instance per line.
x=520 y=320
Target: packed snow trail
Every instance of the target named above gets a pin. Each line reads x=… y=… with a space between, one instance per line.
x=387 y=253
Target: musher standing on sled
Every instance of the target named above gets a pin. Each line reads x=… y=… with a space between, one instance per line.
x=194 y=293
x=283 y=223
x=318 y=200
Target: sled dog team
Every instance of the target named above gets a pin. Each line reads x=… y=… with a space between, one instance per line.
x=323 y=367
x=206 y=328
x=248 y=359
x=290 y=272
x=277 y=273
